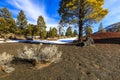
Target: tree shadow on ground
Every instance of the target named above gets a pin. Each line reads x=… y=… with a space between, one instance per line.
x=17 y=60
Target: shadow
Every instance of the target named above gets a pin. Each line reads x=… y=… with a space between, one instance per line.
x=17 y=60
x=66 y=41
x=108 y=41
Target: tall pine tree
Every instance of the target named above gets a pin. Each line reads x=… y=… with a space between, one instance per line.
x=32 y=30
x=69 y=32
x=101 y=29
x=4 y=29
x=88 y=30
x=21 y=22
x=8 y=24
x=5 y=13
x=54 y=32
x=42 y=26
x=81 y=12
x=49 y=33
x=75 y=33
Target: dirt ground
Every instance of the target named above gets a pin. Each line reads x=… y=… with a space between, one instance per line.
x=99 y=62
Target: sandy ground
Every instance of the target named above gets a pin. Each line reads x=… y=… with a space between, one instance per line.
x=99 y=62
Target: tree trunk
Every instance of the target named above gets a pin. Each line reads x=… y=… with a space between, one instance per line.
x=80 y=20
x=80 y=31
x=32 y=34
x=40 y=34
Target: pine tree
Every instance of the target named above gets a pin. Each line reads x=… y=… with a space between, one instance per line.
x=44 y=34
x=42 y=26
x=101 y=29
x=88 y=30
x=4 y=29
x=81 y=12
x=62 y=34
x=75 y=33
x=36 y=30
x=50 y=32
x=32 y=30
x=47 y=35
x=5 y=13
x=12 y=26
x=21 y=22
x=69 y=32
x=54 y=32
x=8 y=24
x=29 y=30
x=60 y=28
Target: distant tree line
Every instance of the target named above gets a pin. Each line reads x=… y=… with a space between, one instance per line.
x=22 y=27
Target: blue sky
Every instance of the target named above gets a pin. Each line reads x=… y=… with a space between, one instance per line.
x=48 y=9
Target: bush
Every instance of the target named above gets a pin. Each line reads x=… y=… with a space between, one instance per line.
x=27 y=53
x=41 y=56
x=50 y=54
x=5 y=60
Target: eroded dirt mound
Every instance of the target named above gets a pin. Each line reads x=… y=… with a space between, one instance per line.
x=106 y=35
x=100 y=62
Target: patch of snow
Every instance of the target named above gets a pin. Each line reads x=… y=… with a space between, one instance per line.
x=59 y=41
x=1 y=39
x=2 y=42
x=68 y=40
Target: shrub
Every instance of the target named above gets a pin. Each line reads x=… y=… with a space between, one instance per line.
x=50 y=54
x=5 y=60
x=41 y=56
x=27 y=53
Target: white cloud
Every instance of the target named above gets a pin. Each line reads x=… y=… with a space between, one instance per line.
x=33 y=11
